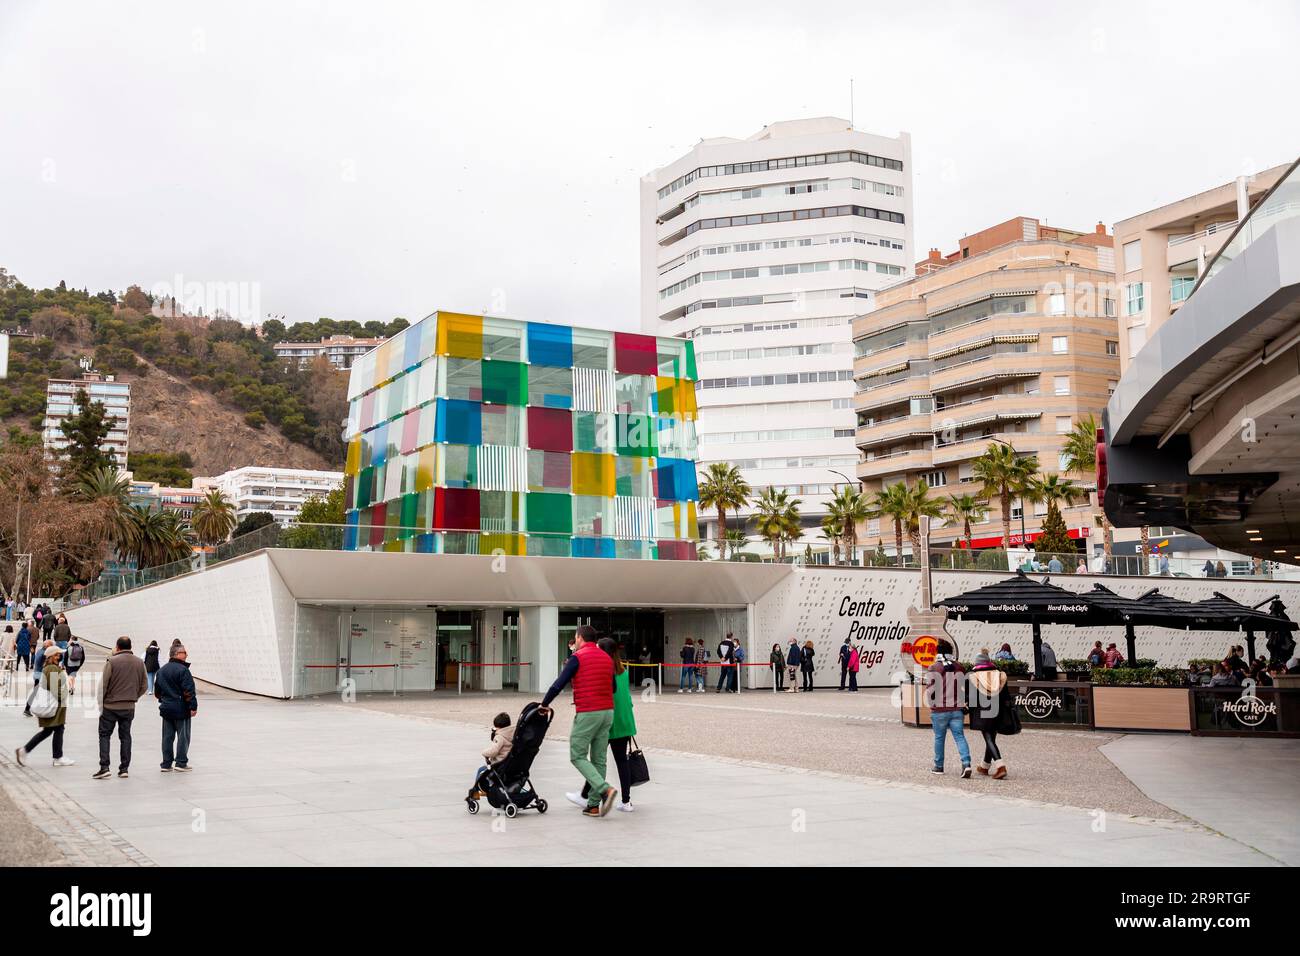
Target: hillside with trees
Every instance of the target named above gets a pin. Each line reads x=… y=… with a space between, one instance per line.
x=210 y=388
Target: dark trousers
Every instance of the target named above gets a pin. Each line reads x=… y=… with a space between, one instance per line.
x=844 y=673
x=26 y=658
x=807 y=679
x=178 y=732
x=778 y=671
x=853 y=680
x=121 y=719
x=723 y=680
x=56 y=732
x=991 y=751
x=618 y=746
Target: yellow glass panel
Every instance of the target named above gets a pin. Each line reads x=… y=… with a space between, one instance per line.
x=686 y=404
x=593 y=474
x=427 y=468
x=460 y=335
x=505 y=543
x=395 y=544
x=353 y=466
x=692 y=529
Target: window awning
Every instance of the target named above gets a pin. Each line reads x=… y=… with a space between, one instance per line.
x=887 y=370
x=985 y=343
x=980 y=298
x=996 y=417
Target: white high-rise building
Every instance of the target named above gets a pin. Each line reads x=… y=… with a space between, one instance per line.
x=280 y=491
x=763 y=250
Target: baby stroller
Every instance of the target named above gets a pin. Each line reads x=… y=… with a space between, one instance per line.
x=506 y=785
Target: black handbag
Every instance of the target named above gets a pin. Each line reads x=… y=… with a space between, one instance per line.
x=1008 y=717
x=638 y=769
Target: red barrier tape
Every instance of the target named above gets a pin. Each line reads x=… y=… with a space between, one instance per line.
x=520 y=664
x=353 y=666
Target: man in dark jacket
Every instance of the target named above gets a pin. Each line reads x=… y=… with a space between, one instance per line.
x=845 y=654
x=122 y=684
x=178 y=701
x=62 y=633
x=725 y=660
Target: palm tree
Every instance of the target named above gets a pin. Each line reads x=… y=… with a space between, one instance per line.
x=1051 y=489
x=110 y=490
x=723 y=487
x=213 y=518
x=792 y=529
x=967 y=508
x=1080 y=451
x=1004 y=474
x=769 y=517
x=736 y=541
x=157 y=537
x=919 y=504
x=892 y=503
x=832 y=531
x=849 y=507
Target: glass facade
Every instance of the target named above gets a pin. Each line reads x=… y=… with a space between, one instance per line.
x=469 y=434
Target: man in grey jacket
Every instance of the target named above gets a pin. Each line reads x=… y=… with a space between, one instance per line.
x=122 y=684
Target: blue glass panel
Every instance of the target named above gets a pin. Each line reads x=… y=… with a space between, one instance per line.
x=459 y=422
x=593 y=547
x=550 y=345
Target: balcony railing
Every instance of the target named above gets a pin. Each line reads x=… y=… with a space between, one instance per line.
x=1279 y=203
x=1210 y=230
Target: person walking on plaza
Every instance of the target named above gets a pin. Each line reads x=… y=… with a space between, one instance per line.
x=24 y=647
x=778 y=667
x=52 y=680
x=855 y=664
x=151 y=664
x=725 y=648
x=47 y=625
x=38 y=667
x=738 y=661
x=793 y=660
x=621 y=731
x=944 y=687
x=701 y=666
x=688 y=667
x=807 y=665
x=9 y=645
x=845 y=651
x=591 y=672
x=991 y=711
x=76 y=658
x=61 y=632
x=178 y=704
x=122 y=683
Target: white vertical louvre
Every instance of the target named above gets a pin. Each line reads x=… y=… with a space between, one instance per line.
x=593 y=390
x=634 y=517
x=502 y=468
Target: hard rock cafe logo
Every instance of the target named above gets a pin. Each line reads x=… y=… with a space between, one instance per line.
x=1249 y=710
x=1039 y=703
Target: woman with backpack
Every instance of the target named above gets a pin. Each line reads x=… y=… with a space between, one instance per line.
x=151 y=664
x=55 y=684
x=991 y=712
x=806 y=665
x=777 y=659
x=76 y=658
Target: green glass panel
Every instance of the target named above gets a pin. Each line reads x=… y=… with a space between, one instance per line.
x=505 y=383
x=636 y=435
x=549 y=513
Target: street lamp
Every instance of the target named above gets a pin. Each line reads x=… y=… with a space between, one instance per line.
x=851 y=481
x=1023 y=541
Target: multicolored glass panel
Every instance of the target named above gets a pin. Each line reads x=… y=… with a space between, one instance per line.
x=471 y=434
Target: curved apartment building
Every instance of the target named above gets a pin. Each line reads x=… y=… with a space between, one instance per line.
x=761 y=251
x=1011 y=338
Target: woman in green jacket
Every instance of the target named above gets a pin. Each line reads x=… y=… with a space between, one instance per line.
x=621 y=731
x=53 y=680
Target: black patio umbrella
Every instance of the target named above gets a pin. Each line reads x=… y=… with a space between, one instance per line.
x=1222 y=613
x=1123 y=610
x=1022 y=600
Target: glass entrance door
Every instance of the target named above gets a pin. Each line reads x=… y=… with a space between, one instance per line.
x=510 y=650
x=458 y=641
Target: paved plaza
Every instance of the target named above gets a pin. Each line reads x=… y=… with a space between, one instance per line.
x=382 y=781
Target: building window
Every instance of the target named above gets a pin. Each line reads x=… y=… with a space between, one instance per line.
x=1017 y=512
x=1056 y=303
x=935 y=479
x=1063 y=462
x=1137 y=337
x=1136 y=302
x=1112 y=348
x=1108 y=307
x=1060 y=344
x=1133 y=255
x=1062 y=384
x=1062 y=424
x=1180 y=287
x=1111 y=386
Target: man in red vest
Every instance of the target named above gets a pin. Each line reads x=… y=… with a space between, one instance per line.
x=592 y=672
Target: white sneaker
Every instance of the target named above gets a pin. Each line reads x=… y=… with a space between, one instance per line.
x=680 y=691
x=626 y=807
x=577 y=799
x=64 y=762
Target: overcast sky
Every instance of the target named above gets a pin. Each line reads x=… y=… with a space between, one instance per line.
x=367 y=160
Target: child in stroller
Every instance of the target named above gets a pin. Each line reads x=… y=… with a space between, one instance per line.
x=505 y=784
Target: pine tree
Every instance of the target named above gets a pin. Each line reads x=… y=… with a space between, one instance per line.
x=1055 y=538
x=85 y=431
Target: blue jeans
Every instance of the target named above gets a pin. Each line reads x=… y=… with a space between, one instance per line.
x=944 y=721
x=687 y=679
x=177 y=731
x=699 y=676
x=150 y=675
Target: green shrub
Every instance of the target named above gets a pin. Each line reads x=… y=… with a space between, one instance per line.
x=255 y=419
x=1140 y=676
x=1074 y=664
x=1013 y=668
x=1203 y=662
x=1142 y=662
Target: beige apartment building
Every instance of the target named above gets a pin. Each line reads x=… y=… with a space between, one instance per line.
x=1011 y=338
x=1161 y=252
